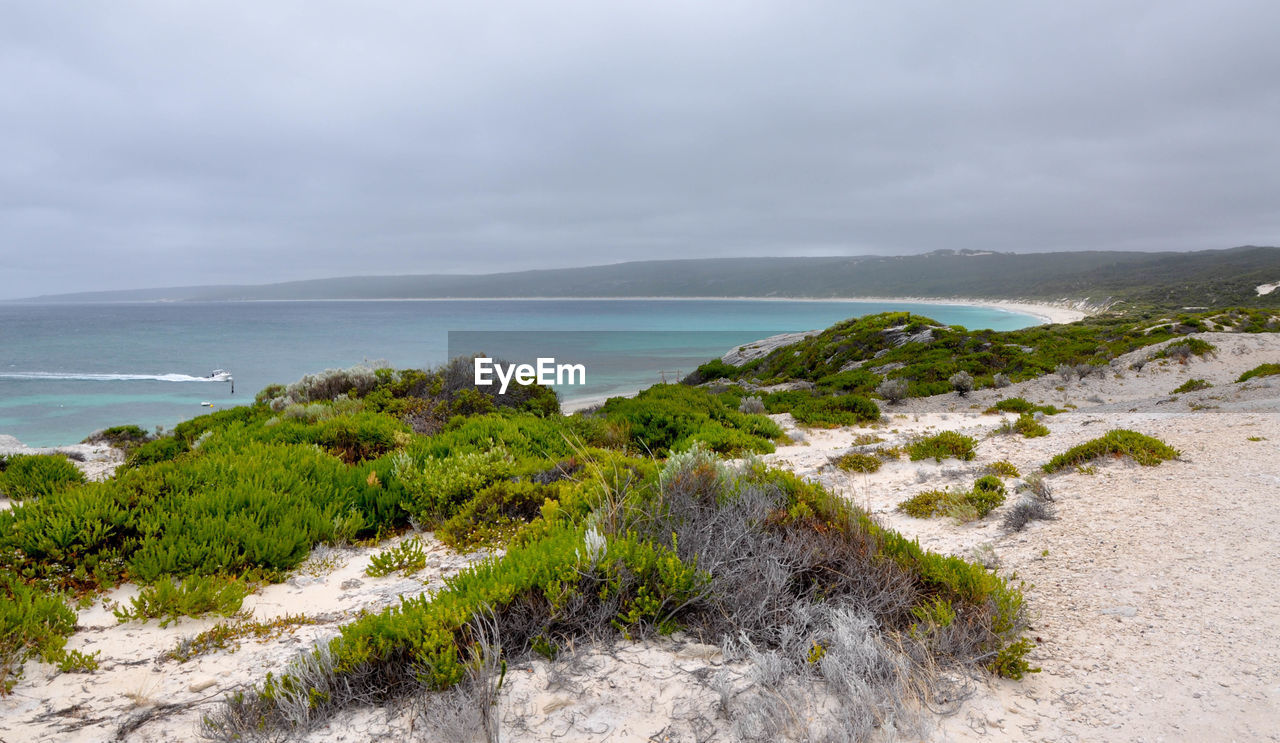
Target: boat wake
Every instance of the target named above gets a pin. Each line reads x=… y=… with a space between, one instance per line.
x=219 y=376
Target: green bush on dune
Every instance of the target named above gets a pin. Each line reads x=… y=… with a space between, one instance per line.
x=1261 y=370
x=36 y=475
x=942 y=446
x=1143 y=449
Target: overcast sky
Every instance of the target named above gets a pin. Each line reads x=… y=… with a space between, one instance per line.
x=162 y=143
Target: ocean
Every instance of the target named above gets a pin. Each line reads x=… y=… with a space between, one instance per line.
x=67 y=370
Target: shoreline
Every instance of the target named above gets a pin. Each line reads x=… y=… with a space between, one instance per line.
x=1045 y=310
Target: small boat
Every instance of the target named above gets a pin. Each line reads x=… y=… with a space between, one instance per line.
x=206 y=404
x=220 y=375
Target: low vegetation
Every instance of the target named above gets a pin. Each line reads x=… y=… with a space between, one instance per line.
x=859 y=355
x=1143 y=449
x=1002 y=468
x=169 y=600
x=944 y=445
x=1182 y=351
x=24 y=476
x=228 y=635
x=1025 y=424
x=406 y=558
x=858 y=462
x=987 y=494
x=1019 y=405
x=33 y=623
x=1191 y=385
x=1261 y=370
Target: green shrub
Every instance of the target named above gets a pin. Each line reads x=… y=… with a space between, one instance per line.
x=860 y=381
x=1003 y=468
x=1144 y=450
x=929 y=503
x=667 y=418
x=858 y=462
x=437 y=486
x=710 y=371
x=192 y=597
x=406 y=558
x=1261 y=370
x=160 y=450
x=1027 y=425
x=838 y=410
x=985 y=496
x=495 y=514
x=941 y=446
x=76 y=661
x=225 y=510
x=1186 y=348
x=32 y=623
x=1019 y=405
x=1191 y=385
x=121 y=437
x=36 y=475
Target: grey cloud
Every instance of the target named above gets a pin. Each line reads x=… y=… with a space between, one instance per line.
x=146 y=144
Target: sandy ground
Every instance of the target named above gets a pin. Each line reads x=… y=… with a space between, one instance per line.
x=1154 y=596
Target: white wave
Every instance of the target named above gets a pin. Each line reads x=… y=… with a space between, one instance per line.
x=93 y=377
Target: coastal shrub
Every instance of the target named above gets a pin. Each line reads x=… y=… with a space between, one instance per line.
x=1019 y=405
x=858 y=462
x=406 y=558
x=985 y=496
x=751 y=406
x=1144 y=450
x=1002 y=468
x=930 y=354
x=668 y=417
x=360 y=437
x=495 y=514
x=437 y=486
x=1182 y=351
x=1261 y=370
x=1025 y=424
x=1026 y=510
x=121 y=437
x=711 y=371
x=193 y=596
x=836 y=410
x=257 y=508
x=1191 y=385
x=227 y=635
x=1000 y=380
x=160 y=450
x=941 y=446
x=356 y=381
x=893 y=390
x=961 y=382
x=861 y=381
x=36 y=475
x=33 y=623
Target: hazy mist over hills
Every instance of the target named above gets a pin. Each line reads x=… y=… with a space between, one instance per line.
x=1211 y=277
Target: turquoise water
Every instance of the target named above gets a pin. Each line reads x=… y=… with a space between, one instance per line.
x=67 y=370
